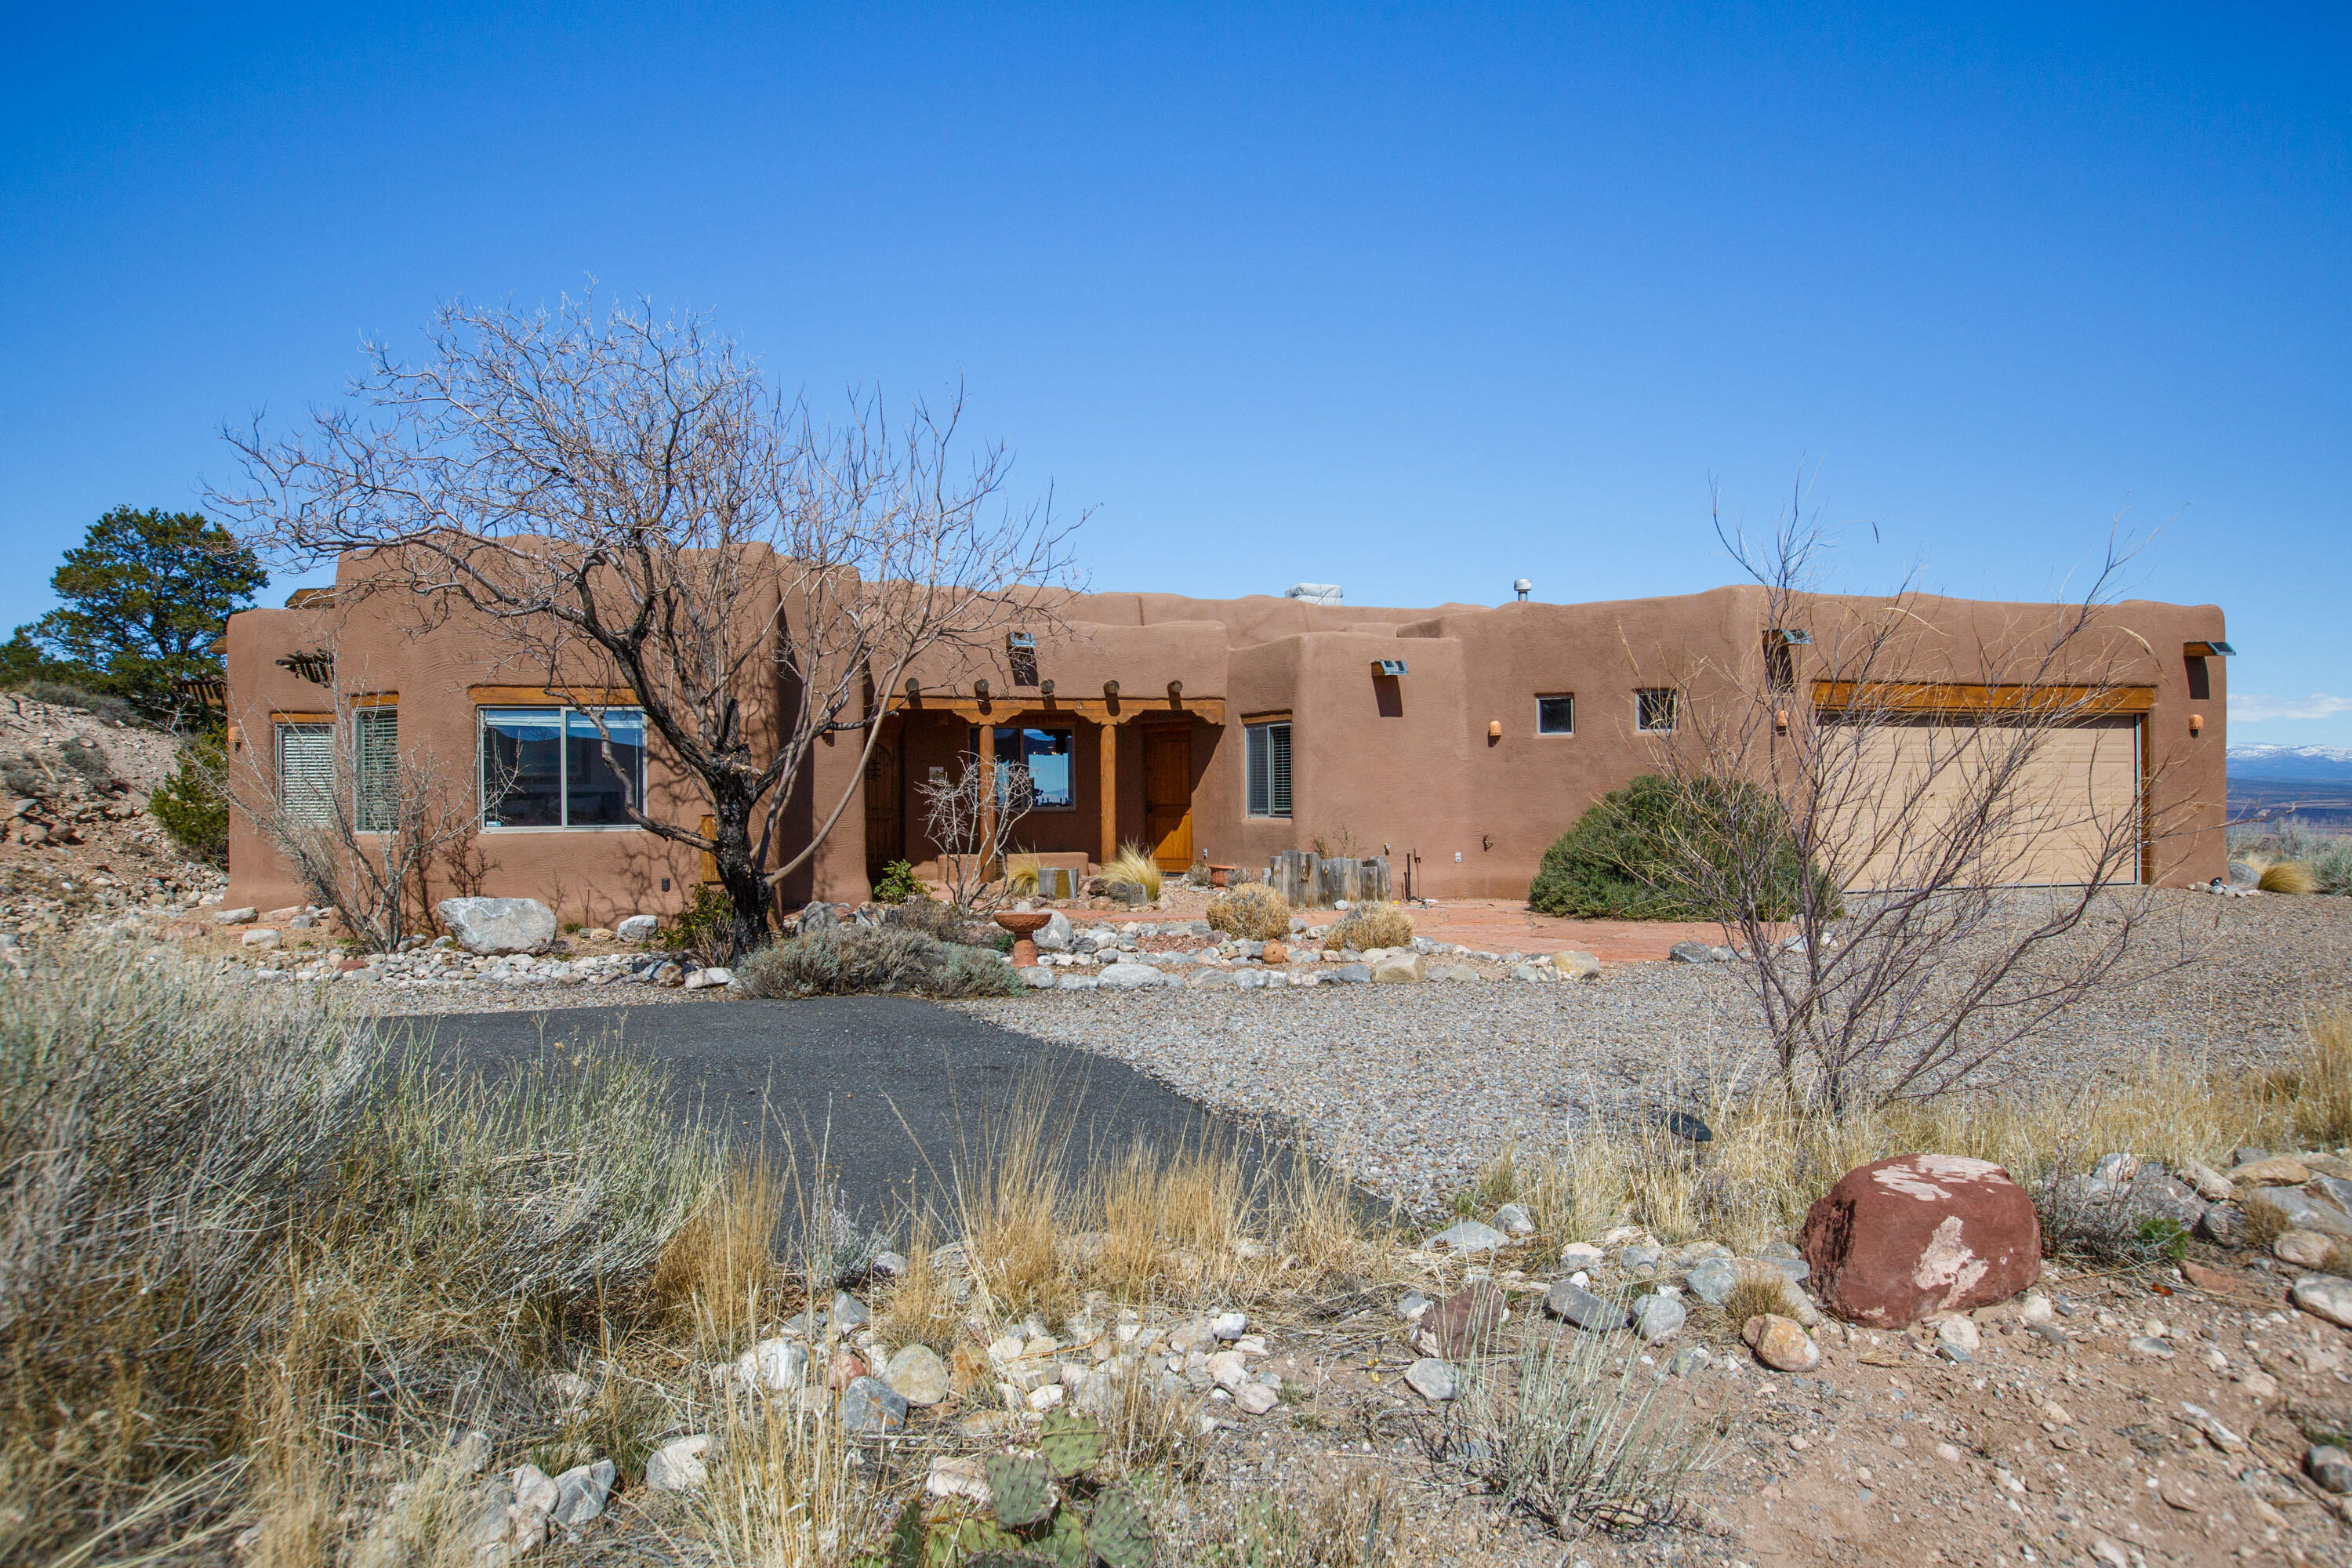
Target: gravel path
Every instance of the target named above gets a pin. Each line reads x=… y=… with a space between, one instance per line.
x=1411 y=1088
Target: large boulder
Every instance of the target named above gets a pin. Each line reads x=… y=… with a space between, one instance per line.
x=1902 y=1240
x=1055 y=935
x=499 y=925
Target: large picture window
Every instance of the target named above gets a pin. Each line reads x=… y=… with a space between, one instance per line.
x=545 y=767
x=1051 y=757
x=1267 y=759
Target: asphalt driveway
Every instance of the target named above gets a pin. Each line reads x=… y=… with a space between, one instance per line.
x=887 y=1090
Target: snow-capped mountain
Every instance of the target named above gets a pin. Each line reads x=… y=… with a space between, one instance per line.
x=2264 y=760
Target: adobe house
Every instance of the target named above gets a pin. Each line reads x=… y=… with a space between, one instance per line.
x=1459 y=740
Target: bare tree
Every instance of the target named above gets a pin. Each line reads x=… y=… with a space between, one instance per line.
x=970 y=817
x=359 y=817
x=1899 y=824
x=624 y=501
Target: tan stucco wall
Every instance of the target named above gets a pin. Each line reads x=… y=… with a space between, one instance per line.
x=1406 y=763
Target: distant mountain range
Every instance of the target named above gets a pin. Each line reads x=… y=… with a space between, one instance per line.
x=2315 y=765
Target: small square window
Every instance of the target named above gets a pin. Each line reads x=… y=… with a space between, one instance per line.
x=1655 y=709
x=1556 y=715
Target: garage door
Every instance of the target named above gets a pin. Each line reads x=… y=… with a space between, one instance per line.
x=1918 y=787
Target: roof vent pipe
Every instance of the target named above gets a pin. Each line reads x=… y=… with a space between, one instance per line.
x=1523 y=588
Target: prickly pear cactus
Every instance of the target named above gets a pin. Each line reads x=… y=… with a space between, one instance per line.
x=1008 y=1560
x=904 y=1547
x=1119 y=1532
x=1071 y=1443
x=1023 y=1488
x=955 y=1546
x=1067 y=1545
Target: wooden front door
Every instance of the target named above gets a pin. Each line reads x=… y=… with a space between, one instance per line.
x=884 y=827
x=1168 y=795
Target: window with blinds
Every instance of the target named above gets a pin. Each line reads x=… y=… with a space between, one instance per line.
x=1268 y=759
x=306 y=772
x=376 y=762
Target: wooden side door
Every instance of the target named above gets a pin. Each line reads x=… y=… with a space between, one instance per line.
x=885 y=826
x=1168 y=795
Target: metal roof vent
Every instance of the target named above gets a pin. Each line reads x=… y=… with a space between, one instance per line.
x=1317 y=593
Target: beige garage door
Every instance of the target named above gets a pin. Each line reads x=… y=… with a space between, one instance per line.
x=1918 y=788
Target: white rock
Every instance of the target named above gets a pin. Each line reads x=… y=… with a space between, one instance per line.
x=1256 y=1399
x=499 y=925
x=260 y=936
x=1959 y=1332
x=1230 y=1369
x=710 y=978
x=2325 y=1296
x=1047 y=1397
x=1229 y=1325
x=1470 y=1235
x=776 y=1365
x=677 y=1466
x=1129 y=977
x=1054 y=935
x=533 y=1487
x=580 y=1493
x=2037 y=1309
x=958 y=1478
x=1432 y=1379
x=638 y=928
x=1515 y=1219
x=235 y=916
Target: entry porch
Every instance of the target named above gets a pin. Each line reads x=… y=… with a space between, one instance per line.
x=1106 y=771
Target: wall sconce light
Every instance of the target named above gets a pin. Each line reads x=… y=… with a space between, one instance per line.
x=1110 y=690
x=2197 y=723
x=1779 y=721
x=1175 y=690
x=980 y=689
x=913 y=688
x=1046 y=686
x=1494 y=728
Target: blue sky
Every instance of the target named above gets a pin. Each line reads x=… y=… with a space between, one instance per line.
x=1415 y=300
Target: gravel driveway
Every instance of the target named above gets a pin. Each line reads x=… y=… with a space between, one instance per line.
x=1411 y=1089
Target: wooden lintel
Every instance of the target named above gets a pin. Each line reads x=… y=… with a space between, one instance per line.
x=1093 y=710
x=541 y=696
x=1921 y=697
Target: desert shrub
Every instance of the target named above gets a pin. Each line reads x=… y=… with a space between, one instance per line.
x=2288 y=876
x=1253 y=910
x=2331 y=868
x=1578 y=1440
x=841 y=961
x=85 y=758
x=897 y=884
x=97 y=704
x=224 y=1206
x=705 y=929
x=1134 y=868
x=23 y=774
x=946 y=921
x=191 y=802
x=1630 y=855
x=1368 y=926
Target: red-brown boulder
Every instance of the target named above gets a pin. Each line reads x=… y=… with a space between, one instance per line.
x=1905 y=1238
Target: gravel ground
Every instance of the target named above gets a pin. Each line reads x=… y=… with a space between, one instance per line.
x=1411 y=1088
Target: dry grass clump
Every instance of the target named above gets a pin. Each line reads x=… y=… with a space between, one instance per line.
x=920 y=1308
x=1754 y=1293
x=1368 y=926
x=2288 y=876
x=1348 y=1521
x=785 y=1489
x=236 y=1222
x=1253 y=910
x=1134 y=866
x=841 y=961
x=1769 y=1160
x=717 y=1275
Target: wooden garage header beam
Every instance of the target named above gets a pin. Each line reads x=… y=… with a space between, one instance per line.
x=1094 y=709
x=1961 y=698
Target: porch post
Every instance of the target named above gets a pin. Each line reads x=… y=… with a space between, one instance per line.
x=988 y=796
x=1109 y=789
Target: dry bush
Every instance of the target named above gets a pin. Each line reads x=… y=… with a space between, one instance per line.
x=855 y=960
x=1348 y=1521
x=1368 y=926
x=2318 y=1085
x=225 y=1215
x=1134 y=866
x=1015 y=1206
x=1253 y=910
x=2288 y=876
x=1754 y=1293
x=784 y=1489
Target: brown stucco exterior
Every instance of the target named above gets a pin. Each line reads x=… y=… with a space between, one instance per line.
x=1404 y=765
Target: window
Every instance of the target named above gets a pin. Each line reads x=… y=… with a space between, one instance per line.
x=1556 y=715
x=1048 y=754
x=306 y=772
x=1267 y=759
x=545 y=767
x=375 y=754
x=1655 y=709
